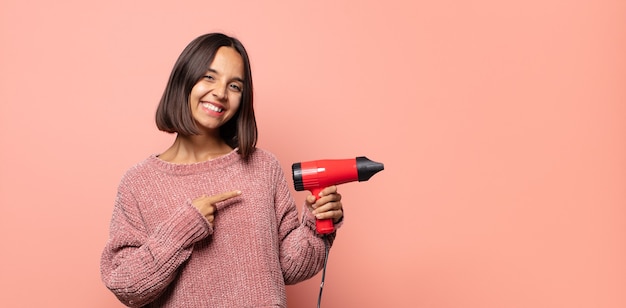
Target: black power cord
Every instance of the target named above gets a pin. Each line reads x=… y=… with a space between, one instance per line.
x=319 y=298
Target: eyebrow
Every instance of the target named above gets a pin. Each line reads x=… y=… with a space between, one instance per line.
x=239 y=79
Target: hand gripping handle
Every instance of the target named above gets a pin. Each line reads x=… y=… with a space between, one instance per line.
x=323 y=226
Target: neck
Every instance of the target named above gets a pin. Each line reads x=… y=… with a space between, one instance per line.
x=196 y=148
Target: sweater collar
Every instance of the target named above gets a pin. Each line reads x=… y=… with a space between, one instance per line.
x=193 y=168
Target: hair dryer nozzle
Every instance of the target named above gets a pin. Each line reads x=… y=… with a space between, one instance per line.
x=367 y=168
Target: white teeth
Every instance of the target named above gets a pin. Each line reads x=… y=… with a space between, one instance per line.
x=212 y=107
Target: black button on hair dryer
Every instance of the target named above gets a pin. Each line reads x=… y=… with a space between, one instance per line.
x=316 y=175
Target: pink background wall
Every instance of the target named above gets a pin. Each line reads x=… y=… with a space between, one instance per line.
x=502 y=129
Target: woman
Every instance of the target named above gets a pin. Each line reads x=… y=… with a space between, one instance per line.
x=210 y=222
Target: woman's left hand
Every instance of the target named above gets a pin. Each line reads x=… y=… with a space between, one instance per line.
x=327 y=206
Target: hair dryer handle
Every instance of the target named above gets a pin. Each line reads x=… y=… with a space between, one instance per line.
x=323 y=226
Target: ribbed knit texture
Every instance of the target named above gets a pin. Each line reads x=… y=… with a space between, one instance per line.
x=163 y=253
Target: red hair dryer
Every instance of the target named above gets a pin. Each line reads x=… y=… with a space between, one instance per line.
x=319 y=174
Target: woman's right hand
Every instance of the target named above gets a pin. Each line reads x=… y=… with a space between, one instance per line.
x=206 y=204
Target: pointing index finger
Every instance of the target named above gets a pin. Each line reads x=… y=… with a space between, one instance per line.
x=226 y=196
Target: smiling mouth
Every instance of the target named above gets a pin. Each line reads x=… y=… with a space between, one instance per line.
x=212 y=107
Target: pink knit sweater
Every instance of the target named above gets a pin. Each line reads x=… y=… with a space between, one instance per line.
x=162 y=252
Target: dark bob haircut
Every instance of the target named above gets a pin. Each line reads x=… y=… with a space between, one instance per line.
x=173 y=114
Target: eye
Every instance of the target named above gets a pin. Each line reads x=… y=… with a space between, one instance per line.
x=235 y=87
x=209 y=77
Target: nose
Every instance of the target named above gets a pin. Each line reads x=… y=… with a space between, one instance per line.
x=219 y=92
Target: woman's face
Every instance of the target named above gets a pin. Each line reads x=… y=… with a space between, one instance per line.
x=217 y=95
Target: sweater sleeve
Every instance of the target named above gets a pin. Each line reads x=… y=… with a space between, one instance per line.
x=137 y=266
x=302 y=249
